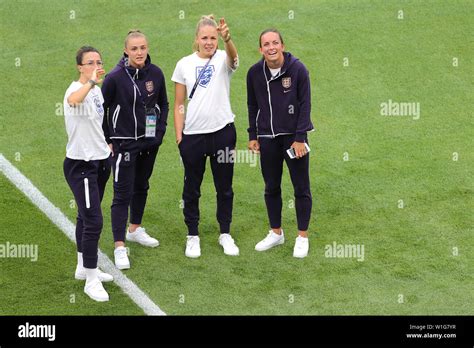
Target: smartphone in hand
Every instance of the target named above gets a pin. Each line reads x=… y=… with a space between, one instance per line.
x=291 y=151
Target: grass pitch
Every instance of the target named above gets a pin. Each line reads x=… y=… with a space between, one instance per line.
x=400 y=187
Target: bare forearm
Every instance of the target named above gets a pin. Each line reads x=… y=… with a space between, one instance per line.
x=229 y=46
x=179 y=110
x=231 y=51
x=178 y=121
x=78 y=96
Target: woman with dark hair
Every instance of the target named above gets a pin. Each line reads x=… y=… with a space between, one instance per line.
x=85 y=167
x=136 y=107
x=279 y=108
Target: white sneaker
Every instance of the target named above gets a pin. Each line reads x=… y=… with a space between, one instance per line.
x=140 y=236
x=95 y=290
x=301 y=247
x=121 y=258
x=81 y=274
x=271 y=240
x=193 y=249
x=228 y=244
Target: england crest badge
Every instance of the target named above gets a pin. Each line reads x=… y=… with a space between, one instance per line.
x=286 y=82
x=149 y=86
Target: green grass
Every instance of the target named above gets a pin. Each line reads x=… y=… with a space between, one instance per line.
x=45 y=286
x=408 y=251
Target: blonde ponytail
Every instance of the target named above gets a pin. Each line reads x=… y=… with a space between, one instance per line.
x=204 y=21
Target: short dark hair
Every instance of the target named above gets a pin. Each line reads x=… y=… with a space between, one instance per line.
x=270 y=30
x=84 y=49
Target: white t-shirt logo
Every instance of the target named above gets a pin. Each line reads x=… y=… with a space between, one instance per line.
x=206 y=75
x=98 y=105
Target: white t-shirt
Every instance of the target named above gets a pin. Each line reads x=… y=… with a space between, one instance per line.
x=86 y=139
x=275 y=71
x=209 y=110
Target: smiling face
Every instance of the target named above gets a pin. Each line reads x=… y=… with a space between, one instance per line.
x=272 y=49
x=137 y=51
x=206 y=41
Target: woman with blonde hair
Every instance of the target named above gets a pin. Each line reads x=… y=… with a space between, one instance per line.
x=136 y=106
x=205 y=127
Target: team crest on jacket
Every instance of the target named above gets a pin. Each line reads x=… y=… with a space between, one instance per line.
x=286 y=82
x=149 y=86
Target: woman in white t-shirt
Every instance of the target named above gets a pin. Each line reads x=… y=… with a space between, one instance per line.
x=206 y=127
x=86 y=168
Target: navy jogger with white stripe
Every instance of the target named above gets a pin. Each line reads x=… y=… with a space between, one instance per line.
x=87 y=180
x=132 y=165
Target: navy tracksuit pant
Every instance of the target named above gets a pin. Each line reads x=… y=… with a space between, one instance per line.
x=132 y=166
x=272 y=154
x=194 y=150
x=87 y=181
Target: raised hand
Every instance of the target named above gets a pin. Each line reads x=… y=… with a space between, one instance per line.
x=97 y=75
x=223 y=30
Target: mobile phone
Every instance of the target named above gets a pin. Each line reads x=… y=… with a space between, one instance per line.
x=291 y=151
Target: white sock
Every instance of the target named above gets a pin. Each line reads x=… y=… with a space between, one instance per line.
x=91 y=274
x=80 y=262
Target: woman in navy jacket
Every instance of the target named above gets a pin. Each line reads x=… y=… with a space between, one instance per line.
x=279 y=106
x=136 y=106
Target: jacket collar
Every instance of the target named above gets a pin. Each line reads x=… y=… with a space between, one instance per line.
x=289 y=60
x=137 y=74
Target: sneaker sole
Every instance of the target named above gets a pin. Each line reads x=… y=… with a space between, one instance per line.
x=230 y=254
x=154 y=245
x=123 y=266
x=80 y=277
x=98 y=299
x=300 y=256
x=147 y=245
x=192 y=256
x=274 y=245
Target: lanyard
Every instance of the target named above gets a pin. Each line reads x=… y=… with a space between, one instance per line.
x=199 y=78
x=135 y=85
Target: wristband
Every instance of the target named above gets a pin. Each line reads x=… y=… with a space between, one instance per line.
x=226 y=41
x=92 y=82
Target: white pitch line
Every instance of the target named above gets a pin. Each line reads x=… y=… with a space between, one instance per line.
x=65 y=225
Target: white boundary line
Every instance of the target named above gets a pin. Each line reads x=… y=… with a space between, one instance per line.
x=65 y=225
